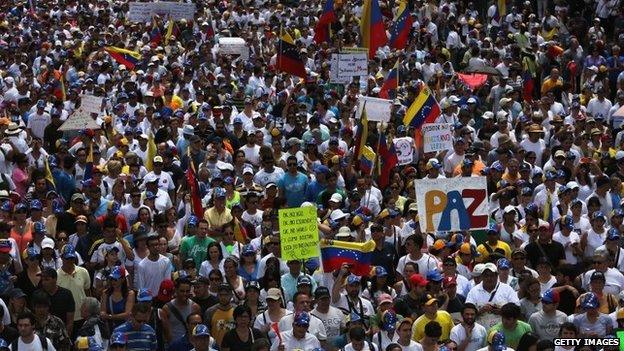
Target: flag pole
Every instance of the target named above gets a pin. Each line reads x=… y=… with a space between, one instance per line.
x=279 y=56
x=374 y=162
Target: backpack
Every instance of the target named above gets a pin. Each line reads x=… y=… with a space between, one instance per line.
x=42 y=340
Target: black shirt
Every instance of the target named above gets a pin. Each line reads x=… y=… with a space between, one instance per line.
x=9 y=334
x=62 y=303
x=233 y=342
x=386 y=257
x=554 y=251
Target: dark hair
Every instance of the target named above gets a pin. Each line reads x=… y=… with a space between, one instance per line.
x=260 y=344
x=433 y=329
x=182 y=280
x=218 y=246
x=418 y=240
x=141 y=307
x=49 y=273
x=39 y=298
x=240 y=310
x=568 y=326
x=109 y=222
x=297 y=294
x=5 y=227
x=188 y=318
x=527 y=340
x=393 y=346
x=217 y=272
x=510 y=310
x=27 y=315
x=469 y=305
x=357 y=333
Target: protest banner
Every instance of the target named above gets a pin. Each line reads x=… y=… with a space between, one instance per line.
x=78 y=120
x=376 y=109
x=234 y=46
x=405 y=150
x=145 y=11
x=91 y=103
x=452 y=204
x=299 y=237
x=437 y=137
x=350 y=65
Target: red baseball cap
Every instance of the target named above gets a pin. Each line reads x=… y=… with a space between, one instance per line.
x=166 y=290
x=418 y=280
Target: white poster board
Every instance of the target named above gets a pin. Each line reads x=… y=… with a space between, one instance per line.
x=90 y=103
x=352 y=64
x=78 y=120
x=405 y=150
x=145 y=11
x=333 y=73
x=437 y=137
x=234 y=46
x=376 y=109
x=452 y=204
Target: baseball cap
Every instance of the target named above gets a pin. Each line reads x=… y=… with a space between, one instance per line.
x=418 y=280
x=353 y=279
x=383 y=298
x=117 y=273
x=36 y=205
x=477 y=270
x=430 y=300
x=503 y=263
x=434 y=276
x=304 y=280
x=47 y=243
x=590 y=301
x=613 y=234
x=39 y=228
x=118 y=338
x=165 y=291
x=69 y=251
x=550 y=296
x=201 y=330
x=320 y=292
x=302 y=319
x=275 y=293
x=144 y=295
x=490 y=267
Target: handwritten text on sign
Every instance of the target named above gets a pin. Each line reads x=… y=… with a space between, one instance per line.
x=452 y=204
x=437 y=137
x=145 y=11
x=350 y=65
x=298 y=233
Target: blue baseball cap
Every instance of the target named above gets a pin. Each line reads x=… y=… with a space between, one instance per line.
x=193 y=221
x=503 y=263
x=434 y=276
x=590 y=301
x=114 y=207
x=57 y=207
x=493 y=229
x=599 y=215
x=32 y=252
x=144 y=295
x=201 y=330
x=21 y=207
x=219 y=192
x=467 y=162
x=150 y=195
x=4 y=344
x=526 y=191
x=248 y=250
x=321 y=169
x=613 y=234
x=118 y=338
x=69 y=251
x=36 y=205
x=381 y=271
x=550 y=175
x=117 y=273
x=353 y=279
x=550 y=296
x=6 y=206
x=567 y=222
x=302 y=319
x=617 y=213
x=304 y=280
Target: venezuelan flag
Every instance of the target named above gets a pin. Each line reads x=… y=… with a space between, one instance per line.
x=360 y=135
x=288 y=58
x=399 y=33
x=48 y=175
x=169 y=33
x=193 y=187
x=391 y=83
x=155 y=36
x=424 y=109
x=124 y=56
x=367 y=159
x=322 y=31
x=359 y=255
x=372 y=27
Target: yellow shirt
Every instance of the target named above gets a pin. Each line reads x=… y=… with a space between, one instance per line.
x=77 y=283
x=442 y=317
x=500 y=245
x=216 y=219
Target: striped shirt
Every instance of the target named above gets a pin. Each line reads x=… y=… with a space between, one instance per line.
x=141 y=340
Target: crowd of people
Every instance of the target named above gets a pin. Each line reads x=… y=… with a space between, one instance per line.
x=158 y=229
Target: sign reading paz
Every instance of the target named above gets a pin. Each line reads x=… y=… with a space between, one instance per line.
x=452 y=204
x=437 y=137
x=298 y=233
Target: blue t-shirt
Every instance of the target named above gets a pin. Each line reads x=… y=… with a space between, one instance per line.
x=294 y=188
x=313 y=189
x=144 y=339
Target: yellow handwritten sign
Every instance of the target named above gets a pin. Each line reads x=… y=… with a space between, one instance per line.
x=299 y=237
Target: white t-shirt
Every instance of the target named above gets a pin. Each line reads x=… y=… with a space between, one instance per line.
x=363 y=307
x=35 y=345
x=425 y=263
x=477 y=339
x=567 y=242
x=334 y=320
x=149 y=274
x=309 y=342
x=317 y=329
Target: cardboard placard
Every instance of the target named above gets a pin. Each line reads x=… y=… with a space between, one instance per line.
x=299 y=238
x=376 y=109
x=78 y=120
x=145 y=11
x=437 y=137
